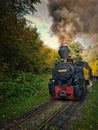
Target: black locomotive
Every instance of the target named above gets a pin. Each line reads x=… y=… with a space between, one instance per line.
x=68 y=80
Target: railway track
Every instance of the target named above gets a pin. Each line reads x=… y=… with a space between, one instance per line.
x=37 y=119
x=40 y=119
x=54 y=116
x=52 y=113
x=62 y=121
x=27 y=115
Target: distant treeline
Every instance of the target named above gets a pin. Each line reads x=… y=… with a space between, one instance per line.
x=21 y=48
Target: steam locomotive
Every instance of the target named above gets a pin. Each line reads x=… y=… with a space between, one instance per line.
x=68 y=80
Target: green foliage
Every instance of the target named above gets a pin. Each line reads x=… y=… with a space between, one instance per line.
x=16 y=106
x=23 y=85
x=75 y=50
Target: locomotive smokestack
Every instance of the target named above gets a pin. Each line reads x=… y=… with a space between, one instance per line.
x=64 y=52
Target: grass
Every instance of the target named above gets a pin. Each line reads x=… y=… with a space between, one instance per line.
x=88 y=118
x=15 y=107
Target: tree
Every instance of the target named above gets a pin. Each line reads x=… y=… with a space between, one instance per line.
x=21 y=6
x=48 y=57
x=76 y=50
x=15 y=37
x=90 y=54
x=94 y=66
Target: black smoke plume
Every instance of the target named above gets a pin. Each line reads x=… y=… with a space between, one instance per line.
x=72 y=18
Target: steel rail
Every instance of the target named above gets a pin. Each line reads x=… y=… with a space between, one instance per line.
x=56 y=114
x=26 y=116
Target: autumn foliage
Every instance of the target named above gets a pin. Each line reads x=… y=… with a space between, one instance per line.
x=21 y=48
x=94 y=66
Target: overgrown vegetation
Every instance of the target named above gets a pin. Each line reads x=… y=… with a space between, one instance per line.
x=23 y=85
x=21 y=51
x=25 y=91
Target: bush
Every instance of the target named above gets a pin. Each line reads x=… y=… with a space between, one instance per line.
x=23 y=84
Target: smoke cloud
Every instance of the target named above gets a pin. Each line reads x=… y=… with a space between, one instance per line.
x=72 y=18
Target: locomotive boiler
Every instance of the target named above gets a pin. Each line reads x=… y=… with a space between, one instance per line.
x=68 y=80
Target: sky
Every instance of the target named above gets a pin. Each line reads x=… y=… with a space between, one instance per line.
x=52 y=32
x=43 y=22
